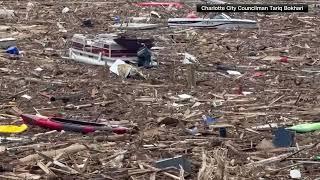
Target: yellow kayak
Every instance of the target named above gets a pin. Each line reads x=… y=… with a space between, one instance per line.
x=13 y=128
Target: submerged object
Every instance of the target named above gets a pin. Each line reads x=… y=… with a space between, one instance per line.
x=55 y=123
x=136 y=26
x=221 y=21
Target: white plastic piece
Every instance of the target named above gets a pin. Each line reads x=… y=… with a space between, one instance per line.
x=185 y=96
x=233 y=72
x=39 y=69
x=114 y=67
x=121 y=68
x=246 y=93
x=295 y=174
x=65 y=10
x=27 y=97
x=189 y=59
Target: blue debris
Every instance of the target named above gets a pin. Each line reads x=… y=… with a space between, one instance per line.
x=208 y=120
x=13 y=50
x=175 y=162
x=283 y=137
x=223 y=132
x=117 y=19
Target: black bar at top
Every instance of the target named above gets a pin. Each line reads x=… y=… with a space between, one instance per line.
x=252 y=8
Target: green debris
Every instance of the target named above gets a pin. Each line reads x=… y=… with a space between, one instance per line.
x=308 y=127
x=317 y=158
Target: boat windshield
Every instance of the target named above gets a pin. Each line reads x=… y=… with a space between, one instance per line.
x=220 y=16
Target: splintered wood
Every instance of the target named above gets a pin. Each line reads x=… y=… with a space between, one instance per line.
x=191 y=75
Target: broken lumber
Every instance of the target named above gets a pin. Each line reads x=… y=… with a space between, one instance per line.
x=71 y=149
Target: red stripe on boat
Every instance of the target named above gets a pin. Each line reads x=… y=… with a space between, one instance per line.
x=174 y=4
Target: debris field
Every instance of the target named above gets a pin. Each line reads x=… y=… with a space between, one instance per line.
x=241 y=80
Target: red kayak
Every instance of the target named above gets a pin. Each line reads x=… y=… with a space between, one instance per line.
x=154 y=4
x=59 y=124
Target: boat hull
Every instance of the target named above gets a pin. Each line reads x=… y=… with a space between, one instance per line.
x=209 y=23
x=135 y=26
x=69 y=125
x=96 y=59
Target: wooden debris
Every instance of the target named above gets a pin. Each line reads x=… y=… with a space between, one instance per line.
x=71 y=149
x=45 y=169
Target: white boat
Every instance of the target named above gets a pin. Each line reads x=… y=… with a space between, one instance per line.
x=221 y=21
x=135 y=26
x=105 y=49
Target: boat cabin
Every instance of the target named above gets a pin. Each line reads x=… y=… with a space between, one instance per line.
x=103 y=44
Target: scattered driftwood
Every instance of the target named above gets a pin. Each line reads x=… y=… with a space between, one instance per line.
x=268 y=161
x=71 y=149
x=303 y=149
x=104 y=103
x=45 y=169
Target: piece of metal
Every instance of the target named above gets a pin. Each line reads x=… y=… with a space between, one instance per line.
x=283 y=138
x=175 y=162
